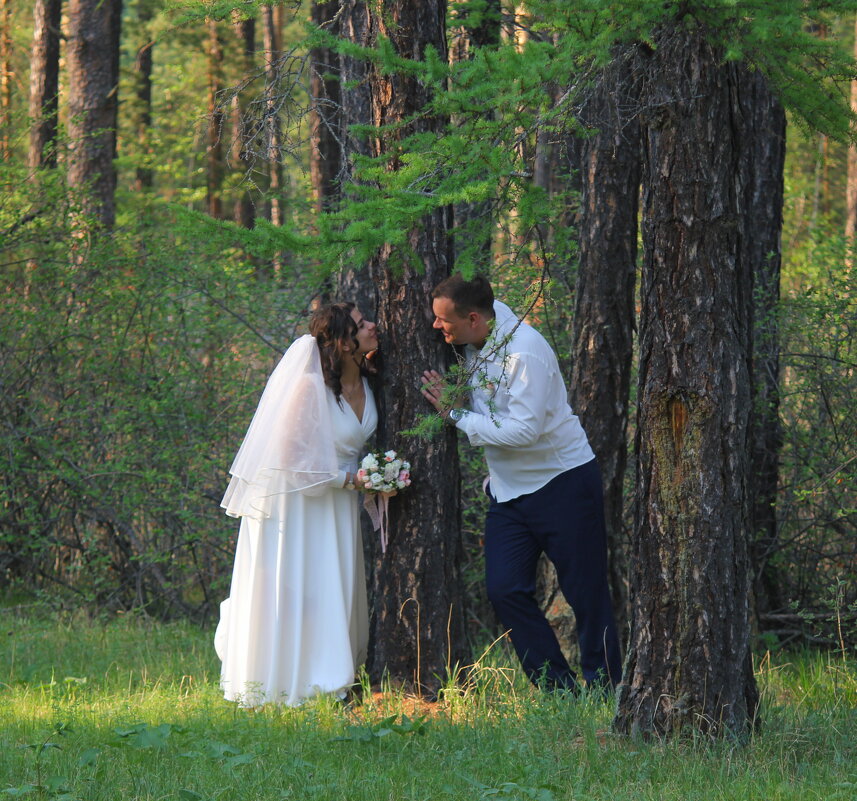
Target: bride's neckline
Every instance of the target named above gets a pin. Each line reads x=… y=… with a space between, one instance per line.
x=357 y=394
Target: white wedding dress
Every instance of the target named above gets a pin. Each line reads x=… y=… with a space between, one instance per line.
x=296 y=621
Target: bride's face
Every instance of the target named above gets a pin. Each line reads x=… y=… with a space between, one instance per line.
x=367 y=333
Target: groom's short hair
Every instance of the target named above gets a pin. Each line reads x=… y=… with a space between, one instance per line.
x=467 y=296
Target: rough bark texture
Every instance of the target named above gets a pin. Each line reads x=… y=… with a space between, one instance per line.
x=474 y=219
x=271 y=37
x=604 y=314
x=143 y=63
x=243 y=210
x=353 y=282
x=851 y=187
x=5 y=77
x=689 y=660
x=93 y=91
x=214 y=145
x=44 y=82
x=326 y=114
x=418 y=620
x=764 y=150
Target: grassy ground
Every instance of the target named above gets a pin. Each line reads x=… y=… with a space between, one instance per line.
x=131 y=710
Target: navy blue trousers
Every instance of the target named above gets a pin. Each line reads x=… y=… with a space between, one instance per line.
x=565 y=520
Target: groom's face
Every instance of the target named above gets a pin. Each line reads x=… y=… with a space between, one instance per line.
x=456 y=330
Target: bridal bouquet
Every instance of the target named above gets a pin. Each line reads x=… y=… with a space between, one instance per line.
x=383 y=472
x=379 y=475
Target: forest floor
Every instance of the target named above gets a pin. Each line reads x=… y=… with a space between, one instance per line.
x=131 y=709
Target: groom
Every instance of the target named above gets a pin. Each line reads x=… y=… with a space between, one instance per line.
x=545 y=486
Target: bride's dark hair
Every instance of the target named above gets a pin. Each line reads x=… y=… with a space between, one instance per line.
x=332 y=326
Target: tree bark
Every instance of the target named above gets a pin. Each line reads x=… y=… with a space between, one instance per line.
x=6 y=76
x=473 y=221
x=271 y=37
x=764 y=150
x=353 y=282
x=326 y=113
x=851 y=186
x=214 y=147
x=418 y=621
x=273 y=132
x=93 y=79
x=242 y=210
x=143 y=63
x=604 y=314
x=689 y=659
x=44 y=83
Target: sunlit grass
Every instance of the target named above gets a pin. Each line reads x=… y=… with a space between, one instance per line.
x=140 y=716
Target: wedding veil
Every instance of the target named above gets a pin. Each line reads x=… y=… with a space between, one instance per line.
x=289 y=444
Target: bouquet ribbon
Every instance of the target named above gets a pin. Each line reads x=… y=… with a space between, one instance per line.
x=377 y=505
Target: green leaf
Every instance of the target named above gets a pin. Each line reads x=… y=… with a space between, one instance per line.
x=88 y=757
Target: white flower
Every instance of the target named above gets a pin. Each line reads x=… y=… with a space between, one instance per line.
x=369 y=462
x=377 y=479
x=389 y=456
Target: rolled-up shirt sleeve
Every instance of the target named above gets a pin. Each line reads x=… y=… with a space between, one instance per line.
x=518 y=421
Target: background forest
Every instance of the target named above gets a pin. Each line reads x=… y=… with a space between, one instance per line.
x=158 y=255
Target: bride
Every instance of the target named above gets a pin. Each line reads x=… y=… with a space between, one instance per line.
x=296 y=621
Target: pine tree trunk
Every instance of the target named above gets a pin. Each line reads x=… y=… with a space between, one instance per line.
x=689 y=660
x=604 y=314
x=326 y=114
x=354 y=282
x=143 y=64
x=273 y=132
x=851 y=187
x=418 y=621
x=5 y=77
x=764 y=149
x=473 y=221
x=214 y=146
x=242 y=210
x=44 y=83
x=93 y=88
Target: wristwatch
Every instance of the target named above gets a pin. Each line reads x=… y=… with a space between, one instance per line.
x=456 y=414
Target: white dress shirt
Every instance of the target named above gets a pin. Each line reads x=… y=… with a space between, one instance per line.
x=519 y=409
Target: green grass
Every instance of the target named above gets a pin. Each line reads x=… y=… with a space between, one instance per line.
x=141 y=717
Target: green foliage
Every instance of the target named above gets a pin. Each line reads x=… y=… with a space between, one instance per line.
x=817 y=507
x=129 y=368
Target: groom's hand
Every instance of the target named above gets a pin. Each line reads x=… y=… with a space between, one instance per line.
x=433 y=390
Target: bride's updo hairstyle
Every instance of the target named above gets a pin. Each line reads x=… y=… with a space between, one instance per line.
x=333 y=327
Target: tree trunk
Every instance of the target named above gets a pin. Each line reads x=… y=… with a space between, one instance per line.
x=242 y=210
x=851 y=187
x=143 y=113
x=44 y=83
x=326 y=113
x=354 y=282
x=93 y=84
x=689 y=659
x=273 y=132
x=604 y=314
x=271 y=44
x=6 y=76
x=764 y=150
x=418 y=621
x=472 y=222
x=214 y=146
